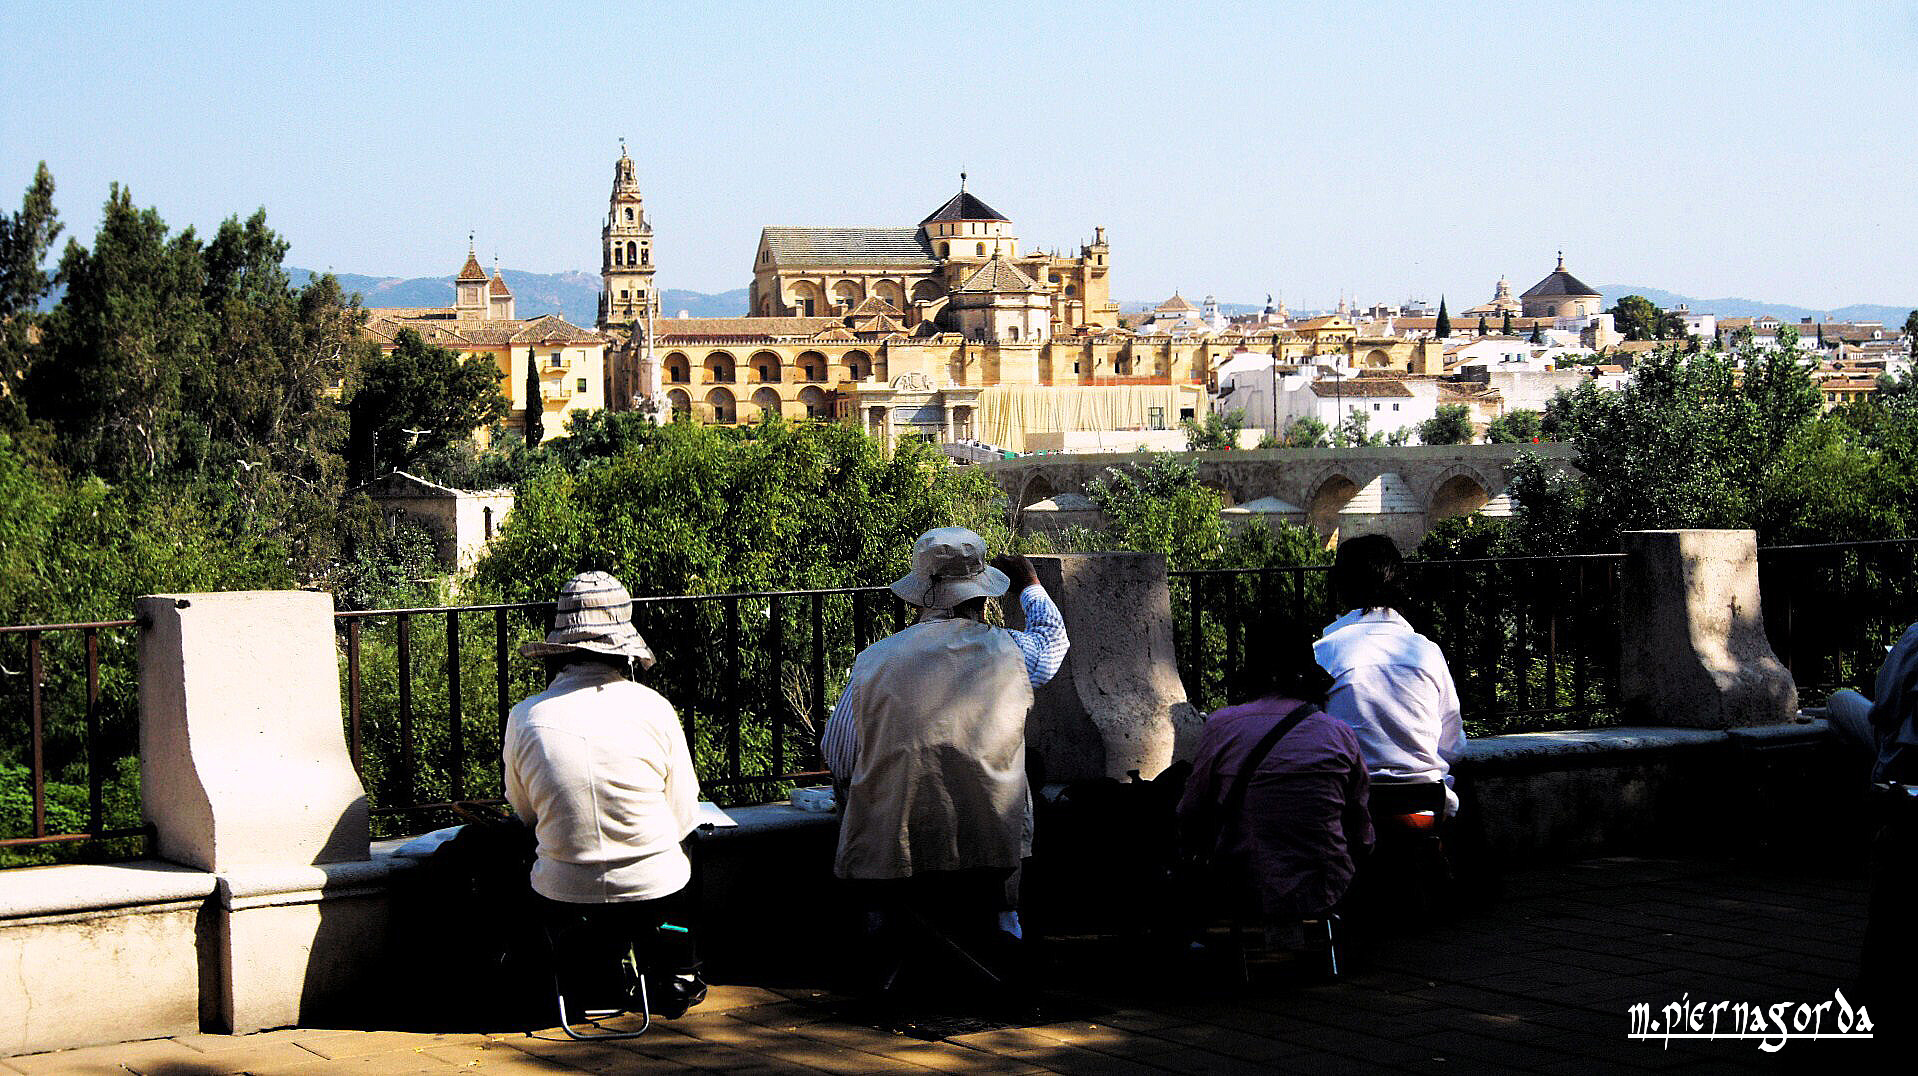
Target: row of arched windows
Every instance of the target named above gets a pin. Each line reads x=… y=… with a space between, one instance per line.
x=721 y=406
x=765 y=367
x=629 y=254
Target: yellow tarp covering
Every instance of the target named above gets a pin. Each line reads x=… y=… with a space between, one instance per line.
x=1008 y=412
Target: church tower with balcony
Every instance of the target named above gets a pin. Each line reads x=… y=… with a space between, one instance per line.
x=626 y=252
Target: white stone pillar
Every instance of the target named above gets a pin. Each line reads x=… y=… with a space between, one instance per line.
x=241 y=739
x=245 y=773
x=1117 y=704
x=1692 y=646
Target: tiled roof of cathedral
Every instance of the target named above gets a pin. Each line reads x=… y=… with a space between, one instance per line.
x=498 y=286
x=848 y=246
x=471 y=270
x=963 y=206
x=435 y=327
x=995 y=277
x=707 y=328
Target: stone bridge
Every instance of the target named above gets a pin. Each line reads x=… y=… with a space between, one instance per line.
x=1397 y=490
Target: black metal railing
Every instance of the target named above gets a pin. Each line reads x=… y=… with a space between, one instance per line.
x=1531 y=641
x=1832 y=609
x=751 y=674
x=74 y=776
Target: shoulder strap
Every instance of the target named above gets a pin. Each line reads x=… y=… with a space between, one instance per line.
x=1236 y=793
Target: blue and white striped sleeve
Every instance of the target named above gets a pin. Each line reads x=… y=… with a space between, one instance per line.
x=840 y=740
x=1044 y=641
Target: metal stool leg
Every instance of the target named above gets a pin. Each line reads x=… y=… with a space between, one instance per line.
x=566 y=1022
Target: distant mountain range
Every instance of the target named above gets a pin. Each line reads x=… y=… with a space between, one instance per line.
x=1890 y=316
x=575 y=297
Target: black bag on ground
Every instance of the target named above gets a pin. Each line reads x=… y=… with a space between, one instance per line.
x=468 y=917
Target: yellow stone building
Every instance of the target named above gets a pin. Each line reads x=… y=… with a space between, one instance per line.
x=571 y=361
x=945 y=332
x=815 y=272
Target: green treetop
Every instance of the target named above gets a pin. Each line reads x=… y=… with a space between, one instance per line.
x=418 y=399
x=1638 y=318
x=1451 y=424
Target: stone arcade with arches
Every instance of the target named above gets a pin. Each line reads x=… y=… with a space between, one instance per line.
x=1398 y=491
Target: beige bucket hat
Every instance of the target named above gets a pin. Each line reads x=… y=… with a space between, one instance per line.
x=594 y=616
x=948 y=567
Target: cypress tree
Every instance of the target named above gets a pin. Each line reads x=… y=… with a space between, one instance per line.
x=1444 y=327
x=535 y=429
x=1482 y=330
x=1506 y=328
x=1537 y=336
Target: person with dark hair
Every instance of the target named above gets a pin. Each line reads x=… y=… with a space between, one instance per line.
x=1389 y=683
x=598 y=767
x=1301 y=815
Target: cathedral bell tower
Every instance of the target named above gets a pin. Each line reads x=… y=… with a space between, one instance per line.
x=626 y=254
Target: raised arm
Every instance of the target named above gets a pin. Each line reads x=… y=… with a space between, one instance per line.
x=1043 y=642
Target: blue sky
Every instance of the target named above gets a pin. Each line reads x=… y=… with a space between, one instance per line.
x=1391 y=150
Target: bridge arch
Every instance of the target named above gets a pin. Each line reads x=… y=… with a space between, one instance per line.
x=1037 y=488
x=1331 y=492
x=1459 y=491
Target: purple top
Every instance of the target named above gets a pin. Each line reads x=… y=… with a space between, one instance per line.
x=1304 y=810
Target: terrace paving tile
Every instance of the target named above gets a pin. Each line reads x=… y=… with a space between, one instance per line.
x=250 y=1058
x=1231 y=1042
x=1142 y=1019
x=1539 y=982
x=947 y=1057
x=361 y=1045
x=118 y=1059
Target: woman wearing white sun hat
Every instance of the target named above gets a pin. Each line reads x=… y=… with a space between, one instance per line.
x=597 y=765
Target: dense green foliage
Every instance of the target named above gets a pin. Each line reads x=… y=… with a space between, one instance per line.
x=418 y=399
x=1638 y=318
x=1443 y=327
x=1451 y=424
x=1718 y=440
x=685 y=509
x=1517 y=427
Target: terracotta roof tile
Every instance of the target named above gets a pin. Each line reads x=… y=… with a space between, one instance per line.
x=1362 y=386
